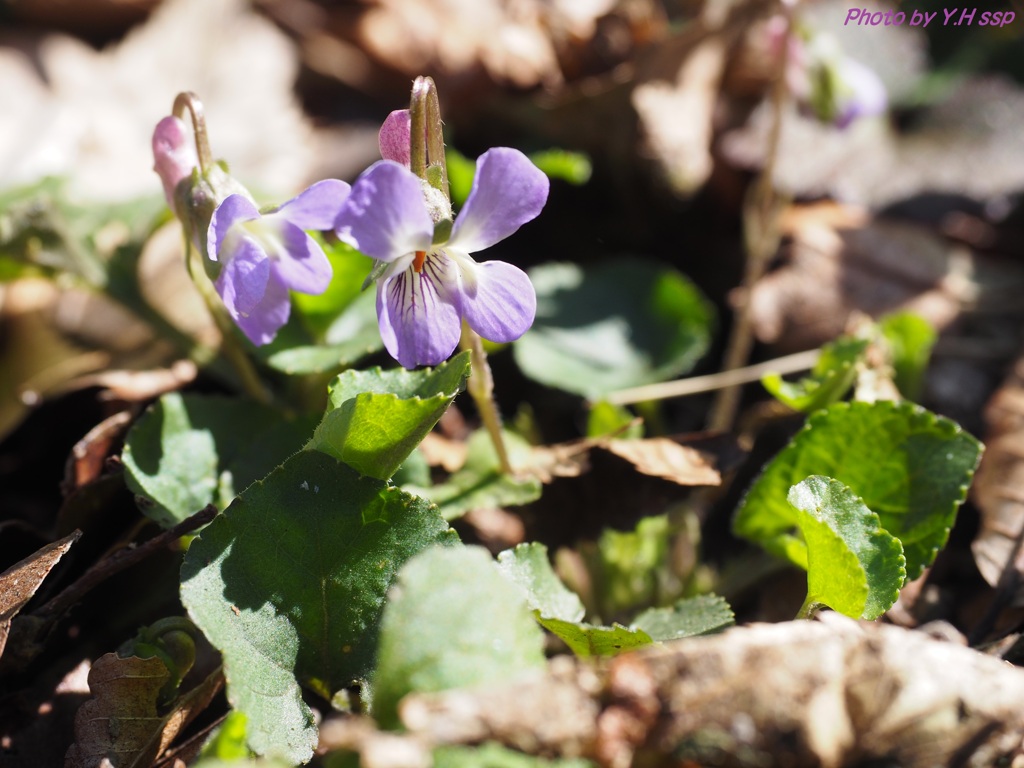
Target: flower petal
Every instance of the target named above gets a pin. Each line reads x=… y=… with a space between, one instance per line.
x=508 y=191
x=303 y=266
x=263 y=323
x=498 y=300
x=862 y=93
x=394 y=137
x=317 y=206
x=385 y=216
x=243 y=280
x=418 y=322
x=234 y=209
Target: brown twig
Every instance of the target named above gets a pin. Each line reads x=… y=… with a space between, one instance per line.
x=119 y=561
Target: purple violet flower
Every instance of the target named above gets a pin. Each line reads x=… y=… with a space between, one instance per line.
x=262 y=256
x=428 y=288
x=861 y=93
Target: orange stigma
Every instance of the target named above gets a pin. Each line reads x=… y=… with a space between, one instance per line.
x=418 y=259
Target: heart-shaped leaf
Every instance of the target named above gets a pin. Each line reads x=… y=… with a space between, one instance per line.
x=909 y=466
x=853 y=566
x=289 y=584
x=376 y=418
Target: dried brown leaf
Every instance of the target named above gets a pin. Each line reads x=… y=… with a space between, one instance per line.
x=968 y=144
x=676 y=117
x=997 y=490
x=440 y=451
x=840 y=261
x=88 y=455
x=89 y=115
x=830 y=693
x=667 y=459
x=19 y=582
x=121 y=724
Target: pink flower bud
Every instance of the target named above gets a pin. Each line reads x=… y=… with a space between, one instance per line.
x=174 y=155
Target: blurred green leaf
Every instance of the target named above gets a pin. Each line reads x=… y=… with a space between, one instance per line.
x=586 y=640
x=527 y=566
x=460 y=175
x=609 y=419
x=620 y=324
x=573 y=167
x=699 y=615
x=910 y=339
x=470 y=624
x=830 y=379
x=481 y=483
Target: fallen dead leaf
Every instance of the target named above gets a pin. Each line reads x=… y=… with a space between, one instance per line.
x=967 y=144
x=121 y=724
x=667 y=459
x=21 y=581
x=87 y=115
x=826 y=693
x=840 y=262
x=996 y=491
x=88 y=455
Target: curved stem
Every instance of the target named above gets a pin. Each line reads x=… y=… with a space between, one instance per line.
x=186 y=101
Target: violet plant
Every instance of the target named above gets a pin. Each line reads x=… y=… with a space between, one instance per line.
x=329 y=550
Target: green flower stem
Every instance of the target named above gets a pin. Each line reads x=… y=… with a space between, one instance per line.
x=809 y=608
x=481 y=388
x=230 y=346
x=186 y=101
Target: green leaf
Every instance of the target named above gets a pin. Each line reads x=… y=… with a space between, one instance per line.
x=452 y=621
x=492 y=755
x=187 y=451
x=700 y=615
x=289 y=584
x=227 y=743
x=351 y=336
x=621 y=324
x=853 y=565
x=348 y=269
x=609 y=419
x=909 y=466
x=910 y=339
x=527 y=567
x=460 y=175
x=573 y=167
x=481 y=483
x=832 y=376
x=586 y=640
x=376 y=418
x=632 y=566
